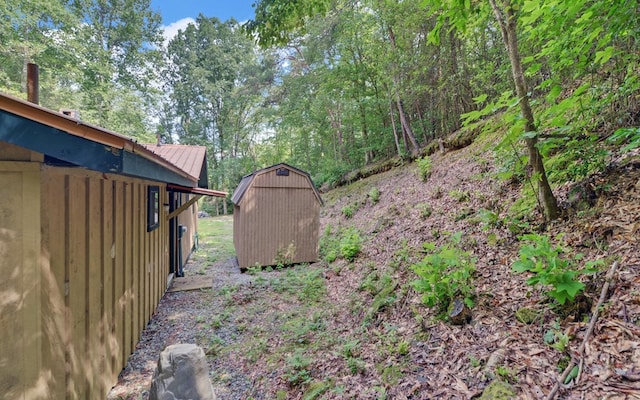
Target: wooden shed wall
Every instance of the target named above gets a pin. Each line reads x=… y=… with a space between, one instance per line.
x=21 y=370
x=82 y=276
x=277 y=214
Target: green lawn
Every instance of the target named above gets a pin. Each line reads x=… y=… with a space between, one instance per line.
x=215 y=237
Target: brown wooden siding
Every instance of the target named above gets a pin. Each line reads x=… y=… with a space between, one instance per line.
x=277 y=214
x=82 y=277
x=22 y=372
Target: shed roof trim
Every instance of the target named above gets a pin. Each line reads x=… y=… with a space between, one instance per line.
x=22 y=114
x=247 y=180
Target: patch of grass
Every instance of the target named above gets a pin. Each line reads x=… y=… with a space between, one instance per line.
x=302 y=281
x=215 y=238
x=345 y=243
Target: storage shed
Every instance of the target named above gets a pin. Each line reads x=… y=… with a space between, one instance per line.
x=85 y=221
x=276 y=217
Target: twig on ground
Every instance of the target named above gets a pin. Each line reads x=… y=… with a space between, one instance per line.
x=592 y=324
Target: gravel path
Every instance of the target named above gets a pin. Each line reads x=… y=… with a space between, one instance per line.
x=185 y=317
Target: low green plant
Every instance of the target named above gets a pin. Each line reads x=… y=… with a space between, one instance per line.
x=348 y=211
x=548 y=268
x=297 y=368
x=459 y=195
x=350 y=243
x=424 y=168
x=445 y=273
x=555 y=338
x=345 y=243
x=425 y=210
x=374 y=195
x=488 y=219
x=630 y=136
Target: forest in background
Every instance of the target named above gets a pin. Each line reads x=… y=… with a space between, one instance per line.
x=331 y=86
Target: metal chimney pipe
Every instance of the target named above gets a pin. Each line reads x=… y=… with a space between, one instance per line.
x=33 y=83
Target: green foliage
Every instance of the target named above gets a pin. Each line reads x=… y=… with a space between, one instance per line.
x=374 y=195
x=556 y=338
x=445 y=273
x=424 y=209
x=570 y=160
x=297 y=368
x=302 y=281
x=424 y=168
x=630 y=136
x=384 y=296
x=350 y=244
x=489 y=219
x=345 y=243
x=459 y=195
x=316 y=389
x=348 y=211
x=539 y=257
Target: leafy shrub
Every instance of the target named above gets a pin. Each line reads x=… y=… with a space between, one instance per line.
x=348 y=211
x=629 y=135
x=424 y=168
x=350 y=244
x=544 y=261
x=374 y=195
x=445 y=274
x=345 y=243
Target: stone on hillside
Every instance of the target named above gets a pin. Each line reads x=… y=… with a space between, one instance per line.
x=182 y=374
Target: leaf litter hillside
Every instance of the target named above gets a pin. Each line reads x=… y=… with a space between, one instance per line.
x=356 y=326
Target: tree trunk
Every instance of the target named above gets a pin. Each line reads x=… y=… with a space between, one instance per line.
x=507 y=22
x=404 y=123
x=393 y=125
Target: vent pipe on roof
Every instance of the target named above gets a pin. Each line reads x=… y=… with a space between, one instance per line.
x=33 y=78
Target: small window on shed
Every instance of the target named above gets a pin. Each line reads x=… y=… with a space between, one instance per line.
x=282 y=172
x=153 y=208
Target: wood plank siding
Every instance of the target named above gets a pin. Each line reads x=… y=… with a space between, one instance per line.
x=20 y=295
x=81 y=277
x=276 y=218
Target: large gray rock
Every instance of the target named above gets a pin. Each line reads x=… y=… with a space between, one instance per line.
x=182 y=374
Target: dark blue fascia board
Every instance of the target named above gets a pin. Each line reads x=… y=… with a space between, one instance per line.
x=81 y=152
x=55 y=143
x=140 y=167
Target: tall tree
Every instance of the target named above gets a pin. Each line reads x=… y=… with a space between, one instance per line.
x=214 y=80
x=507 y=20
x=119 y=43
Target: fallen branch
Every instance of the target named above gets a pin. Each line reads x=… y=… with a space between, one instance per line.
x=592 y=324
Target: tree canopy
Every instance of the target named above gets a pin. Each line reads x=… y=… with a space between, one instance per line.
x=334 y=86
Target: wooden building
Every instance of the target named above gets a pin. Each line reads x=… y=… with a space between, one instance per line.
x=276 y=217
x=86 y=222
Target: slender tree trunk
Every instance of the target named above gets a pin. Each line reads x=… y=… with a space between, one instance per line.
x=507 y=22
x=404 y=123
x=393 y=125
x=368 y=153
